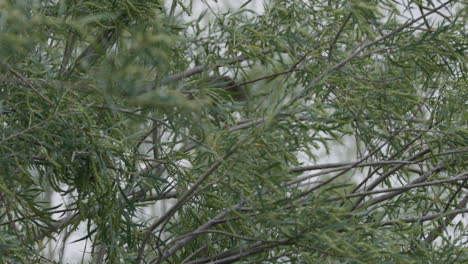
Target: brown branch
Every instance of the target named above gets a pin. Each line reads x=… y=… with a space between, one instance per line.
x=425 y=218
x=246 y=124
x=337 y=36
x=388 y=196
x=433 y=234
x=273 y=75
x=422 y=12
x=460 y=177
x=213 y=231
x=233 y=255
x=198 y=250
x=35 y=215
x=183 y=240
x=386 y=175
x=77 y=84
x=139 y=196
x=313 y=175
x=439 y=13
x=354 y=165
x=56 y=227
x=347 y=164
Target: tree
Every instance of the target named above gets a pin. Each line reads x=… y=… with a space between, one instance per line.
x=119 y=105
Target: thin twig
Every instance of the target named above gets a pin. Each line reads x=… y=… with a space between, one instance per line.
x=346 y=164
x=337 y=36
x=25 y=131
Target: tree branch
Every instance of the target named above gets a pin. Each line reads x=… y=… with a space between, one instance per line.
x=388 y=196
x=184 y=198
x=347 y=164
x=361 y=48
x=433 y=234
x=387 y=174
x=460 y=177
x=425 y=218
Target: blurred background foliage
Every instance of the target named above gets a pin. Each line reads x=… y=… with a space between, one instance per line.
x=111 y=108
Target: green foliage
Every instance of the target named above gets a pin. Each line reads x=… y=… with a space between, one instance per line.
x=117 y=108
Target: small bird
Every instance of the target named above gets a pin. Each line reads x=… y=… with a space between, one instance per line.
x=231 y=88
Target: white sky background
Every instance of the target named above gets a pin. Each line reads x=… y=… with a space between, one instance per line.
x=74 y=252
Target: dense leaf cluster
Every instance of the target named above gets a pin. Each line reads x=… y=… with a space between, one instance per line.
x=116 y=107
